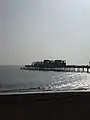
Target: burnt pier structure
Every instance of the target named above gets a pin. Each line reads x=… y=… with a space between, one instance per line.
x=56 y=65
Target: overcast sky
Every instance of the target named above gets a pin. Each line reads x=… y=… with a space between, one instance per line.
x=33 y=30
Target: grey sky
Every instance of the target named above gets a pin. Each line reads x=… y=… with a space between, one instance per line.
x=39 y=29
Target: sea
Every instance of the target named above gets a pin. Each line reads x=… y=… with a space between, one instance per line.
x=13 y=79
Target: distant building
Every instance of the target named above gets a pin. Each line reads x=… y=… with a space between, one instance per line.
x=60 y=62
x=49 y=63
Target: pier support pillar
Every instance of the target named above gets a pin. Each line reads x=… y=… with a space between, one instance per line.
x=82 y=69
x=87 y=70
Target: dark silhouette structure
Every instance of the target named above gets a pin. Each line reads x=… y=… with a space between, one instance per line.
x=56 y=65
x=47 y=64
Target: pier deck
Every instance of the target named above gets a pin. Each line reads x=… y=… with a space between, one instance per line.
x=67 y=68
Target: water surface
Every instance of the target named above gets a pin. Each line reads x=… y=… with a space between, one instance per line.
x=12 y=79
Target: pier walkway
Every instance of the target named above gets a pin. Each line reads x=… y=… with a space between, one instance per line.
x=67 y=68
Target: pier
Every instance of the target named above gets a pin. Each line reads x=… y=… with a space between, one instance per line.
x=56 y=65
